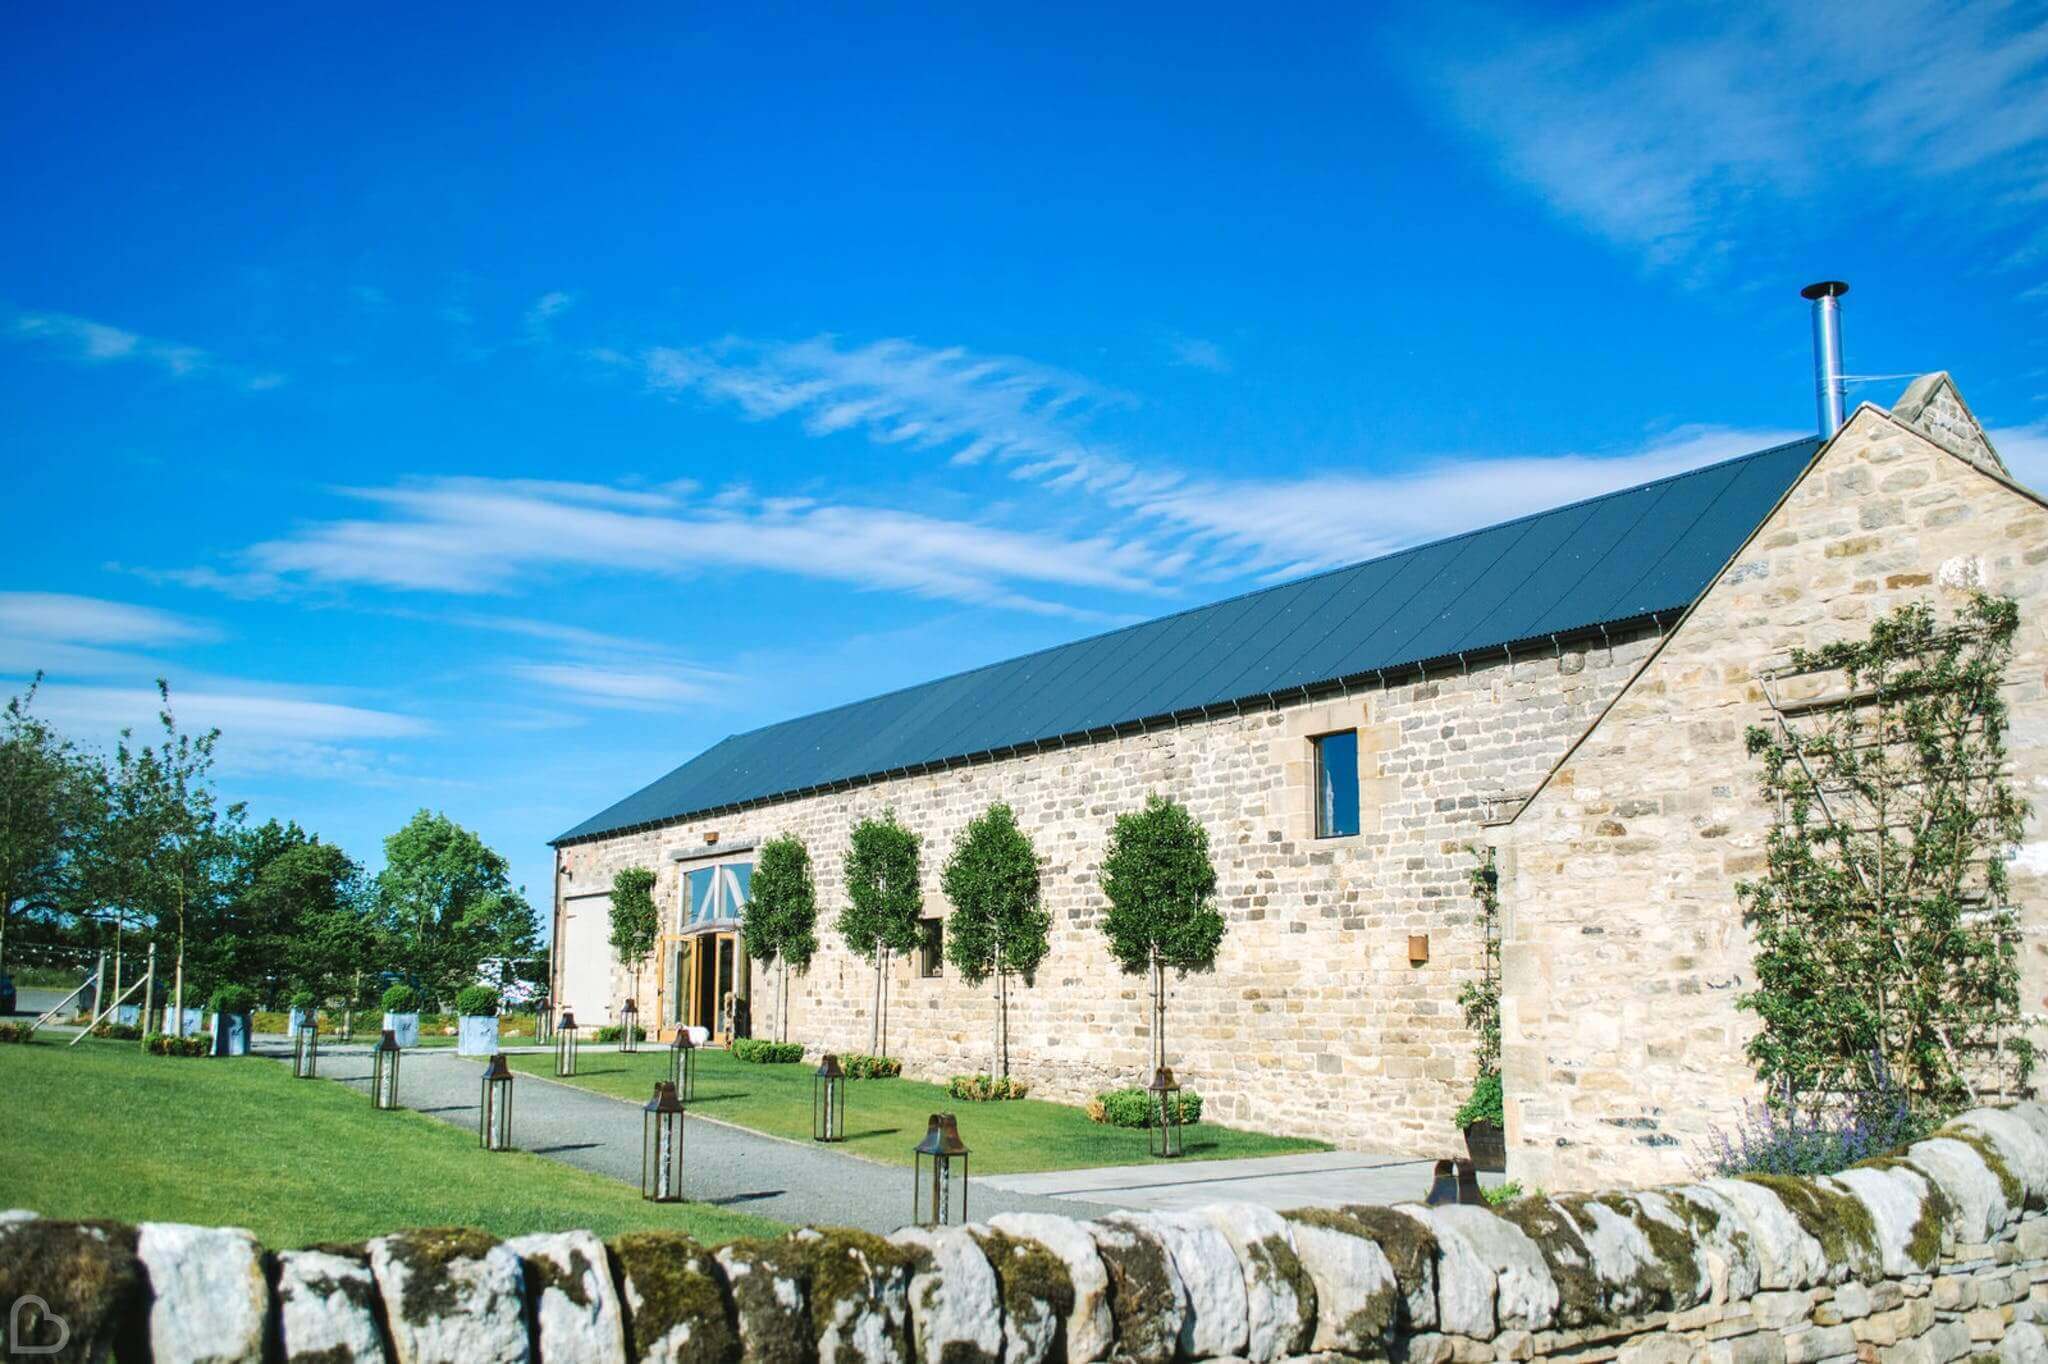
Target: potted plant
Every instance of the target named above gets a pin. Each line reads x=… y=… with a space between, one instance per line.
x=231 y=1005
x=1485 y=1138
x=402 y=1014
x=304 y=1011
x=477 y=1013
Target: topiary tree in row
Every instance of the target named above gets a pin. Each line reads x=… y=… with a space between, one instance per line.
x=780 y=921
x=635 y=921
x=1161 y=888
x=884 y=901
x=996 y=928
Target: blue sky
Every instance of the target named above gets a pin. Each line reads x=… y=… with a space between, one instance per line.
x=490 y=410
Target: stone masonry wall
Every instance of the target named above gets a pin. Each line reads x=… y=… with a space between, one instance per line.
x=1313 y=1021
x=1935 y=1254
x=1626 y=947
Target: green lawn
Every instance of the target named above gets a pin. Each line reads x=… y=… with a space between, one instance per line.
x=99 y=1130
x=886 y=1118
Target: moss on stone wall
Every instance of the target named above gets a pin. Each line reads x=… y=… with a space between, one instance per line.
x=678 y=1283
x=2008 y=1183
x=87 y=1273
x=427 y=1256
x=1837 y=1220
x=1581 y=1297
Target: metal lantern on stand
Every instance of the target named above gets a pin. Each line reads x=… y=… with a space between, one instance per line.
x=629 y=1026
x=940 y=1160
x=828 y=1101
x=682 y=1065
x=306 y=1048
x=494 y=1118
x=565 y=1045
x=384 y=1072
x=1165 y=1114
x=661 y=1146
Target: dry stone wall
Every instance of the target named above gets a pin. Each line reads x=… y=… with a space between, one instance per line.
x=1934 y=1254
x=1314 y=1021
x=1626 y=948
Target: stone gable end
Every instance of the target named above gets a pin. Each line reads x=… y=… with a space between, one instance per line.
x=1625 y=944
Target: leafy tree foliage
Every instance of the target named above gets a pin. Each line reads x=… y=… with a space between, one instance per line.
x=446 y=902
x=884 y=902
x=298 y=915
x=780 y=921
x=1480 y=999
x=1162 y=900
x=635 y=920
x=996 y=927
x=51 y=800
x=1886 y=943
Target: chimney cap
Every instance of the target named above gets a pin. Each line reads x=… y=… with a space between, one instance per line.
x=1827 y=288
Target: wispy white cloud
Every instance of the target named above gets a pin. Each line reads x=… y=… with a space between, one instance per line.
x=1283 y=527
x=624 y=688
x=61 y=617
x=539 y=320
x=99 y=343
x=473 y=536
x=1195 y=353
x=1667 y=130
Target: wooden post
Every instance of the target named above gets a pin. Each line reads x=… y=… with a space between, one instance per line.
x=148 y=997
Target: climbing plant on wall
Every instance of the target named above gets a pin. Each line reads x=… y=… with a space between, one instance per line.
x=780 y=921
x=1480 y=998
x=1886 y=945
x=884 y=901
x=634 y=919
x=996 y=929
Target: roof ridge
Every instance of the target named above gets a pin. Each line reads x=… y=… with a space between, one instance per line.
x=1275 y=587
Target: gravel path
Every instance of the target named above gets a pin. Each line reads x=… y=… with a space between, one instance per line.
x=795 y=1182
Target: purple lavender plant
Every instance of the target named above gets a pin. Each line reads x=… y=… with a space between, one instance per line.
x=1786 y=1137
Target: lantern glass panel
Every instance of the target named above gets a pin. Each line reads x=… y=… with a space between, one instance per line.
x=682 y=1065
x=384 y=1073
x=565 y=1045
x=828 y=1101
x=1165 y=1115
x=661 y=1146
x=306 y=1051
x=494 y=1116
x=939 y=1175
x=629 y=1027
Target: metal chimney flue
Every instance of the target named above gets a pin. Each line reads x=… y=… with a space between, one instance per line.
x=1830 y=390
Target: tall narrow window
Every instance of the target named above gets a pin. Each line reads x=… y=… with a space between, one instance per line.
x=931 y=954
x=1337 y=784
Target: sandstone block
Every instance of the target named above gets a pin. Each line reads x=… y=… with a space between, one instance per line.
x=1758 y=1347
x=1280 y=1297
x=1217 y=1321
x=327 y=1308
x=1525 y=1294
x=1656 y=1348
x=210 y=1298
x=1984 y=1323
x=1091 y=1331
x=674 y=1293
x=1817 y=1343
x=1358 y=1301
x=2022 y=1148
x=1786 y=1255
x=1980 y=1205
x=955 y=1310
x=87 y=1276
x=451 y=1297
x=575 y=1307
x=1146 y=1297
x=2023 y=1343
x=1781 y=1309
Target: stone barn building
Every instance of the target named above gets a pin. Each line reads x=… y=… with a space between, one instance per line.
x=1571 y=687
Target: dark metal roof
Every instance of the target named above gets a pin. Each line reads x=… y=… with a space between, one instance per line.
x=1638 y=554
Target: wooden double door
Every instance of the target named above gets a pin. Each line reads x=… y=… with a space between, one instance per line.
x=709 y=983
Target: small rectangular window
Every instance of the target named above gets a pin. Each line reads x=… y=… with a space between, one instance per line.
x=931 y=955
x=1337 y=784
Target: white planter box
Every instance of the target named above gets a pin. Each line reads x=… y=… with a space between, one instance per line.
x=231 y=1034
x=477 y=1035
x=299 y=1019
x=405 y=1028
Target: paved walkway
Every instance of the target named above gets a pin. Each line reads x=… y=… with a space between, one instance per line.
x=1315 y=1179
x=726 y=1166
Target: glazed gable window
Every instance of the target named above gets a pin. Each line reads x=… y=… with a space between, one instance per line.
x=1336 y=784
x=715 y=894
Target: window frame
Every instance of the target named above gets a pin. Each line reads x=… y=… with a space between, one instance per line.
x=1316 y=827
x=931 y=947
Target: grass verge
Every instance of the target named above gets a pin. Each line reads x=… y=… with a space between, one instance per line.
x=885 y=1118
x=99 y=1130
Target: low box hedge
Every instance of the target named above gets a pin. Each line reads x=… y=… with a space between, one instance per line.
x=763 y=1052
x=17 y=1032
x=612 y=1032
x=401 y=999
x=980 y=1089
x=164 y=1044
x=1133 y=1107
x=859 y=1065
x=119 y=1032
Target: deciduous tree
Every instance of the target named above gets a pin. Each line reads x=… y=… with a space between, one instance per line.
x=884 y=902
x=996 y=927
x=1162 y=892
x=635 y=921
x=780 y=921
x=447 y=902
